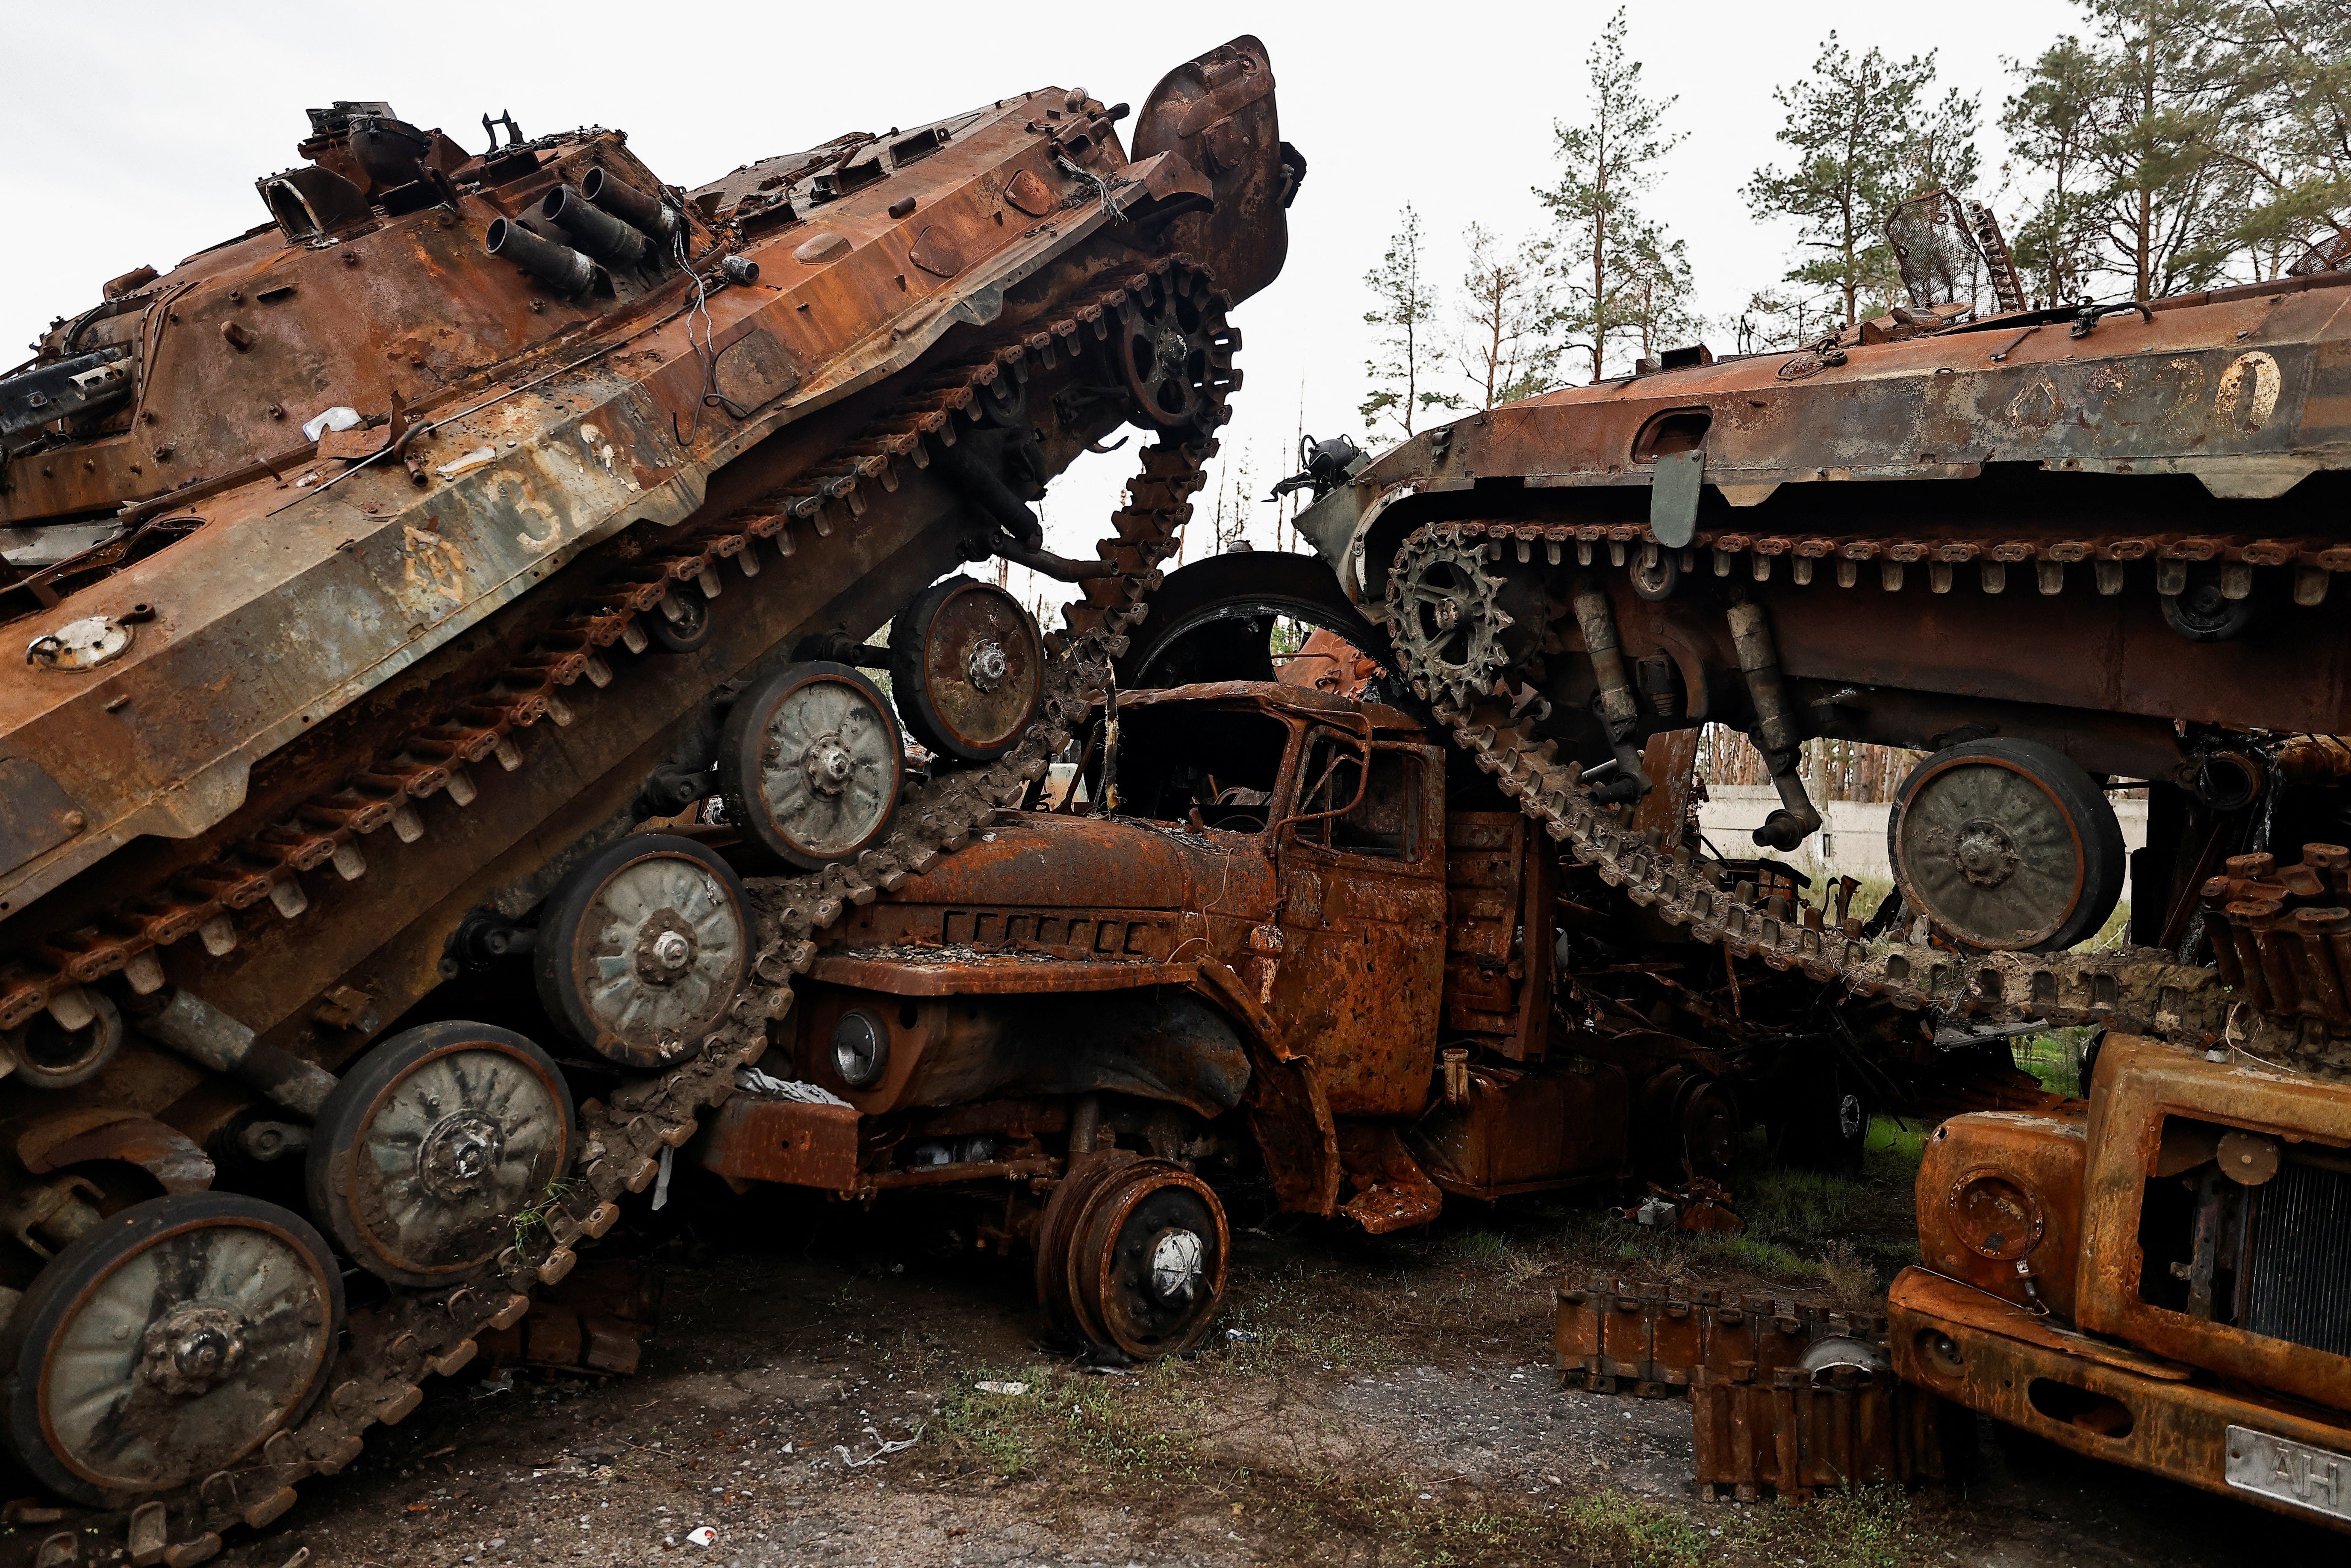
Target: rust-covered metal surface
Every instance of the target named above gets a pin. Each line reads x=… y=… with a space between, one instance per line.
x=2059 y=550
x=2161 y=1285
x=378 y=571
x=1785 y=1398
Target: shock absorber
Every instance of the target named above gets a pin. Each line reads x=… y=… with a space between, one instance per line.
x=1620 y=711
x=1775 y=734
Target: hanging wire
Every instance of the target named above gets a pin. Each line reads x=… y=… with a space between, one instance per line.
x=711 y=396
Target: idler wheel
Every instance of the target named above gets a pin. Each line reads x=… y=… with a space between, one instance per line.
x=427 y=1152
x=809 y=762
x=967 y=669
x=1143 y=1258
x=167 y=1343
x=2006 y=844
x=642 y=949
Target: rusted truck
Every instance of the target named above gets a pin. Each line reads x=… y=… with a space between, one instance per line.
x=378 y=571
x=2161 y=1279
x=1284 y=961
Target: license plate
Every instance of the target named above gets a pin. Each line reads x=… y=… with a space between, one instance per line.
x=2316 y=1478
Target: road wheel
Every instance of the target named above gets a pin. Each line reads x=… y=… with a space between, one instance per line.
x=642 y=949
x=967 y=668
x=428 y=1151
x=2006 y=844
x=809 y=762
x=168 y=1342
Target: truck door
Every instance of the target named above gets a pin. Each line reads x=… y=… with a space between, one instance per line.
x=1360 y=970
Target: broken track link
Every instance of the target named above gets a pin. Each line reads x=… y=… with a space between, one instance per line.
x=376 y=1377
x=2135 y=990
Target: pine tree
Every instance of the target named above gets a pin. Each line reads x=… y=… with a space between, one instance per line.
x=2149 y=115
x=1500 y=341
x=1409 y=344
x=1864 y=136
x=1609 y=160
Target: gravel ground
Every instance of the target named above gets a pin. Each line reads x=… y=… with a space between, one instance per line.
x=1361 y=1403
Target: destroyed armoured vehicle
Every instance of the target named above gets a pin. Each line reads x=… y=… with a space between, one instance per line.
x=378 y=571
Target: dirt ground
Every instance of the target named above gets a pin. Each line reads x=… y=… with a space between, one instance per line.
x=814 y=1398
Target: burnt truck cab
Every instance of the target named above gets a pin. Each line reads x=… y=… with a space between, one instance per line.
x=2164 y=1281
x=1259 y=946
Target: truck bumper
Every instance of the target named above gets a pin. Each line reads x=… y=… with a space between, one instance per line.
x=2113 y=1403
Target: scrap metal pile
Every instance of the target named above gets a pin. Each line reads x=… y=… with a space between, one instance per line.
x=441 y=797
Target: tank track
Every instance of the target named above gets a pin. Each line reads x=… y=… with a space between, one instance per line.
x=377 y=1375
x=2135 y=990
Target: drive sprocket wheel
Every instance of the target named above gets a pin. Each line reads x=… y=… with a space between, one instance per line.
x=1175 y=355
x=1446 y=618
x=167 y=1343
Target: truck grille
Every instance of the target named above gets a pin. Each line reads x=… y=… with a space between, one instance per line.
x=2301 y=1273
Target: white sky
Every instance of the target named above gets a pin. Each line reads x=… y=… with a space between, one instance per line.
x=137 y=128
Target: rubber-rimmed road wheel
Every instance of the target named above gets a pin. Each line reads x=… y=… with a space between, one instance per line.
x=168 y=1342
x=2006 y=844
x=642 y=949
x=809 y=762
x=967 y=669
x=430 y=1148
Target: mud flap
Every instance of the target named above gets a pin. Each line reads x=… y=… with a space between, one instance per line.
x=1287 y=1108
x=1391 y=1191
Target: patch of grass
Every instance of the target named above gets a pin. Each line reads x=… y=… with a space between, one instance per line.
x=1072 y=1427
x=1840 y=1232
x=1616 y=1527
x=1287 y=1317
x=2055 y=1057
x=1866 y=1527
x=1392 y=1514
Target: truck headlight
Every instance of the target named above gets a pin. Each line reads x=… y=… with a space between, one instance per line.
x=860 y=1048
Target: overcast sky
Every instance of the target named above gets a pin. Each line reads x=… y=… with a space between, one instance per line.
x=138 y=129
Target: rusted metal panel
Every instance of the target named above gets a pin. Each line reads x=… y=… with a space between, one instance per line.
x=785 y=1141
x=1528 y=1131
x=2144 y=1092
x=2000 y=1205
x=1998 y=1358
x=914 y=973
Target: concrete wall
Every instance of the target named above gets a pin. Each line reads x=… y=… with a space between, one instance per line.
x=1852 y=839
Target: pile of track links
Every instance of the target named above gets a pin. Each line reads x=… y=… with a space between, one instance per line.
x=2136 y=990
x=392 y=1348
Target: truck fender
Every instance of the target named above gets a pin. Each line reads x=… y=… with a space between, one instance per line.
x=1287 y=1108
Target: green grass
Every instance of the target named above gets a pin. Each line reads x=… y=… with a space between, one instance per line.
x=1846 y=1234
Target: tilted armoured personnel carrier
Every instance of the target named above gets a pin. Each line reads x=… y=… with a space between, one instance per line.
x=379 y=570
x=2065 y=552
